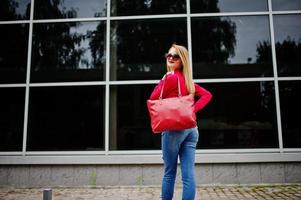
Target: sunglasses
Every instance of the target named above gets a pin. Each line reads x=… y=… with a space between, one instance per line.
x=172 y=56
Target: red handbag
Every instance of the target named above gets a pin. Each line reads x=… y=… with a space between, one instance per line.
x=175 y=113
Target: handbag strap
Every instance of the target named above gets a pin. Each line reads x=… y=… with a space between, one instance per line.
x=179 y=87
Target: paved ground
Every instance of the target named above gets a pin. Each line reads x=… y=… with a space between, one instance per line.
x=218 y=192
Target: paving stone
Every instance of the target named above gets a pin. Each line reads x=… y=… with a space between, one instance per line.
x=212 y=192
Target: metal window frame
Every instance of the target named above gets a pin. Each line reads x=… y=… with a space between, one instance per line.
x=108 y=156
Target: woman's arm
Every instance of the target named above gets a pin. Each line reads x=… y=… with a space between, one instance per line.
x=156 y=92
x=204 y=98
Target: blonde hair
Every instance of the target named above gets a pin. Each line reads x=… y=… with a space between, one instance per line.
x=186 y=67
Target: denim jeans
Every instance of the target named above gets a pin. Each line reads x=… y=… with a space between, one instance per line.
x=180 y=144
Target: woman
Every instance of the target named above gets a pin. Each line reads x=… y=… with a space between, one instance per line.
x=181 y=143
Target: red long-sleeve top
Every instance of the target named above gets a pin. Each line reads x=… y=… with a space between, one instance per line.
x=171 y=90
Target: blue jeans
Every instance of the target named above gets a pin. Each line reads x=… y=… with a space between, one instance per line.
x=180 y=144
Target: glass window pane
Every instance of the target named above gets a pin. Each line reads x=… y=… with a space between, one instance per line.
x=72 y=51
x=205 y=6
x=129 y=119
x=46 y=9
x=11 y=118
x=288 y=44
x=14 y=10
x=230 y=47
x=290 y=99
x=138 y=47
x=147 y=7
x=13 y=53
x=66 y=118
x=286 y=5
x=240 y=115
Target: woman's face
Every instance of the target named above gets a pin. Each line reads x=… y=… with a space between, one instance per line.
x=173 y=60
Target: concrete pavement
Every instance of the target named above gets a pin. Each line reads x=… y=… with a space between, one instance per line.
x=210 y=192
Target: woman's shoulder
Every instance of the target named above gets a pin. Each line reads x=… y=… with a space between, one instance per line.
x=173 y=76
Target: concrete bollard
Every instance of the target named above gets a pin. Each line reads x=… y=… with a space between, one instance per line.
x=47 y=194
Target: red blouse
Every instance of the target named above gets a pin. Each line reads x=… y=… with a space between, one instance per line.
x=171 y=90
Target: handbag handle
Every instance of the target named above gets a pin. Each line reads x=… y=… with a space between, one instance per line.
x=179 y=87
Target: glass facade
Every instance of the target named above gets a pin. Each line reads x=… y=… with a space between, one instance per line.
x=241 y=115
x=136 y=51
x=231 y=47
x=147 y=7
x=205 y=6
x=13 y=53
x=66 y=118
x=75 y=75
x=290 y=99
x=46 y=9
x=72 y=51
x=284 y=5
x=11 y=118
x=14 y=10
x=288 y=44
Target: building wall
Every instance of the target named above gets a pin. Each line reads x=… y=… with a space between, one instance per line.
x=115 y=175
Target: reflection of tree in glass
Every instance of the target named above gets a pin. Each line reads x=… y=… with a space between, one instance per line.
x=288 y=55
x=13 y=51
x=97 y=45
x=138 y=46
x=142 y=7
x=215 y=40
x=143 y=42
x=206 y=6
x=56 y=45
x=49 y=9
x=263 y=52
x=8 y=10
